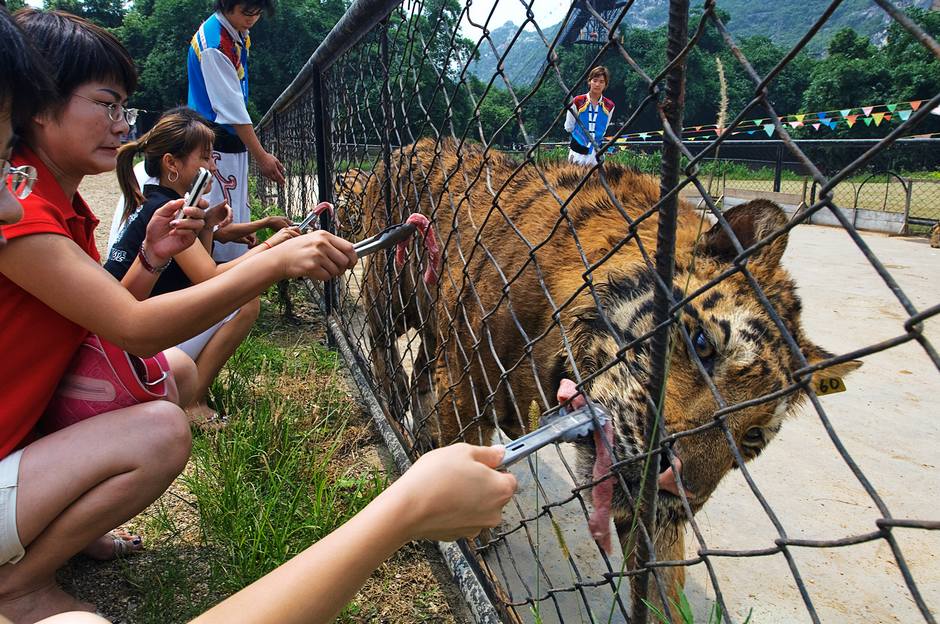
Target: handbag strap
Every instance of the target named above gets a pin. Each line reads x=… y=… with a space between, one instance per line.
x=146 y=382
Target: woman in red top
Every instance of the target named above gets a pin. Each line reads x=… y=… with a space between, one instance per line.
x=61 y=493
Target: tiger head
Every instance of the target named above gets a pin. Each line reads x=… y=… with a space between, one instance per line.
x=730 y=362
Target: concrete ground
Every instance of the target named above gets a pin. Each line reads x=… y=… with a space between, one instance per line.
x=887 y=421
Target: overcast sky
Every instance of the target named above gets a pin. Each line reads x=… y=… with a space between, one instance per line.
x=546 y=13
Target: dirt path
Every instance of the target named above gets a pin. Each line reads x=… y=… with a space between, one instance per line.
x=101 y=192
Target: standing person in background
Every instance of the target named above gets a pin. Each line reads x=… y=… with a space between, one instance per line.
x=588 y=117
x=218 y=89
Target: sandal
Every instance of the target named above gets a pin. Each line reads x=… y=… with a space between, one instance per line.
x=206 y=418
x=123 y=544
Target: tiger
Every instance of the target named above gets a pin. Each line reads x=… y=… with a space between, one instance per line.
x=935 y=235
x=548 y=278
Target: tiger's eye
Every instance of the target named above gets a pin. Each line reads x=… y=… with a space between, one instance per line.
x=754 y=436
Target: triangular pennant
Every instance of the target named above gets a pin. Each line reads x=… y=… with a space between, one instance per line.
x=831 y=123
x=916 y=104
x=867 y=120
x=751 y=131
x=821 y=116
x=769 y=129
x=795 y=124
x=659 y=132
x=866 y=110
x=845 y=112
x=644 y=135
x=850 y=120
x=891 y=107
x=904 y=115
x=878 y=117
x=758 y=122
x=816 y=126
x=800 y=117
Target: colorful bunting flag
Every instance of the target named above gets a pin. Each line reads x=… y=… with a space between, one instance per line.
x=830 y=119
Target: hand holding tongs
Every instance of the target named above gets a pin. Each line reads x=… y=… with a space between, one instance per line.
x=388 y=237
x=562 y=425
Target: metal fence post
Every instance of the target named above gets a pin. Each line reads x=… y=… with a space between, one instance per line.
x=672 y=109
x=324 y=188
x=778 y=168
x=908 y=193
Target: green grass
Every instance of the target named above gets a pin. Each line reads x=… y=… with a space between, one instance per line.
x=683 y=609
x=262 y=489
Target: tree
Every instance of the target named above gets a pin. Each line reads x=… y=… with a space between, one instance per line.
x=107 y=13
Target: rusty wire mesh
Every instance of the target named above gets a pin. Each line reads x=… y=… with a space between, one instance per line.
x=533 y=290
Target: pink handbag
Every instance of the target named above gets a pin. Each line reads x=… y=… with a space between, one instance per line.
x=101 y=378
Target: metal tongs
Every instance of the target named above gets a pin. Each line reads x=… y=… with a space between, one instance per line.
x=388 y=237
x=303 y=225
x=562 y=425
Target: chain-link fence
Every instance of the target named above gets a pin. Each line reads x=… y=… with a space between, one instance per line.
x=670 y=308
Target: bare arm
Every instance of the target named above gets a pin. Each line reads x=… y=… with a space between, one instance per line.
x=449 y=493
x=270 y=166
x=199 y=266
x=235 y=231
x=57 y=272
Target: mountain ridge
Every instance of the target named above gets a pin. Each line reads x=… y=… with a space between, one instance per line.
x=785 y=23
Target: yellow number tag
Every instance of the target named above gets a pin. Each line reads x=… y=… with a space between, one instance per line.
x=829 y=385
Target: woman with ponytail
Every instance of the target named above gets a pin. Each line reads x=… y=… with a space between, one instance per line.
x=174 y=150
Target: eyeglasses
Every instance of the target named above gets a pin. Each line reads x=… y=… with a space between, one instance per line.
x=116 y=112
x=19 y=180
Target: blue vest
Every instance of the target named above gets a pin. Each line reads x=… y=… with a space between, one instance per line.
x=582 y=106
x=213 y=34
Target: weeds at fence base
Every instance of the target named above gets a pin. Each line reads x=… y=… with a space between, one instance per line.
x=684 y=609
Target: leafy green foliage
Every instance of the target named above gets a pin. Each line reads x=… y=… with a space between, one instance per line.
x=107 y=13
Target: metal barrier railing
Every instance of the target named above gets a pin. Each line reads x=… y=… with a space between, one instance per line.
x=556 y=278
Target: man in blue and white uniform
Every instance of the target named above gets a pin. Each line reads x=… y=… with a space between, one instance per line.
x=588 y=117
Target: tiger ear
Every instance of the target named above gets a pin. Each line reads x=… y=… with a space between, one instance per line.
x=750 y=222
x=815 y=354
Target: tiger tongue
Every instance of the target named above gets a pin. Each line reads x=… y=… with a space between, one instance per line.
x=603 y=492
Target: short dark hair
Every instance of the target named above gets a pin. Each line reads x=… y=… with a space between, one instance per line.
x=600 y=70
x=25 y=85
x=247 y=5
x=76 y=52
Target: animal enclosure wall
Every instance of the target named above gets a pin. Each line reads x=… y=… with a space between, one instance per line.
x=678 y=316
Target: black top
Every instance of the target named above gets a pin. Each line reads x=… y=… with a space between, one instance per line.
x=125 y=249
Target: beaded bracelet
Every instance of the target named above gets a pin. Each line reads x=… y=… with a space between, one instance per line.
x=148 y=266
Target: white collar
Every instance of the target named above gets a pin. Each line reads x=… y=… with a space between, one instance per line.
x=231 y=29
